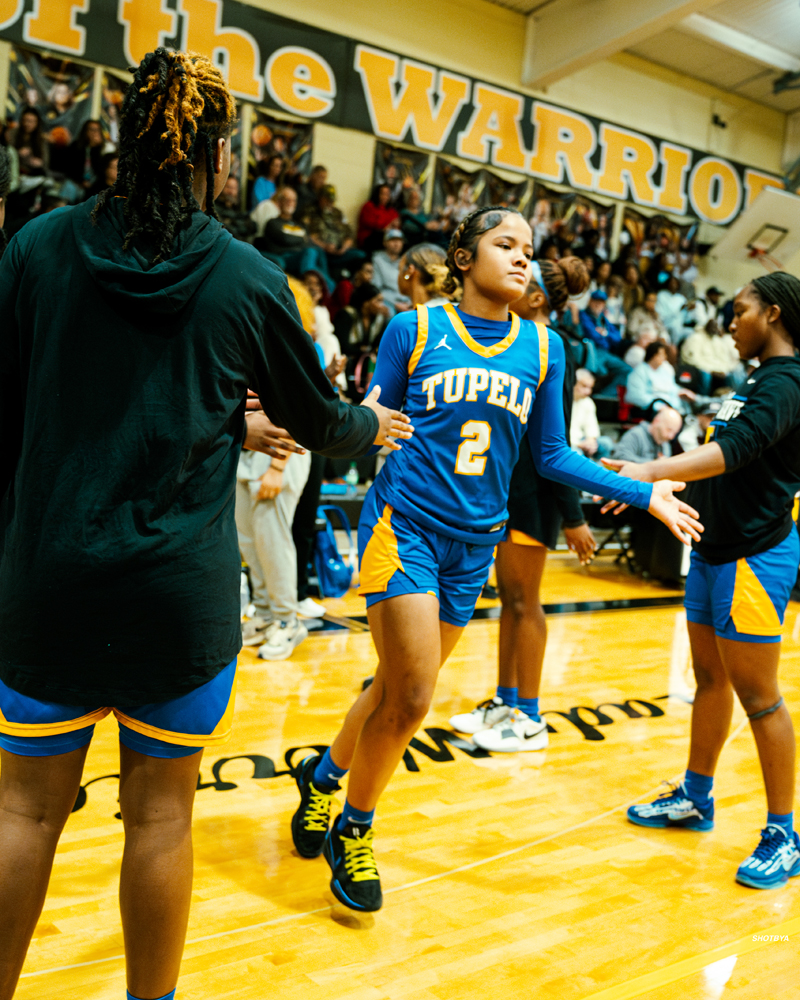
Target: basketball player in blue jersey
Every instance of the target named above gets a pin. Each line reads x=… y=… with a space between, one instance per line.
x=742 y=572
x=473 y=380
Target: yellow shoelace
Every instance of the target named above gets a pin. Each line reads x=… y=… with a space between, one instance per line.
x=318 y=813
x=359 y=861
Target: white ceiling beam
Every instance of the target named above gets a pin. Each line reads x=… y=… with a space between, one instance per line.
x=738 y=41
x=568 y=35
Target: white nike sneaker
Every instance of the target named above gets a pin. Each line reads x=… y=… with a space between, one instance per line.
x=483 y=717
x=282 y=641
x=310 y=609
x=516 y=734
x=255 y=631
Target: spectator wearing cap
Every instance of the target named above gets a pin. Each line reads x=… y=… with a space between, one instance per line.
x=386 y=270
x=286 y=242
x=376 y=217
x=606 y=338
x=704 y=418
x=329 y=229
x=713 y=353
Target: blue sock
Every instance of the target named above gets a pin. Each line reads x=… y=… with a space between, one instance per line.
x=351 y=815
x=509 y=696
x=167 y=996
x=530 y=706
x=786 y=821
x=326 y=773
x=698 y=786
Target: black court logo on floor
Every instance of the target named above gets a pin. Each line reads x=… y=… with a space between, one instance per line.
x=588 y=721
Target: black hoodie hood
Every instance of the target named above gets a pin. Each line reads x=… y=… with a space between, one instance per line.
x=129 y=275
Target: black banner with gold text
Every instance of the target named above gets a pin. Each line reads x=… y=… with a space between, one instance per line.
x=321 y=76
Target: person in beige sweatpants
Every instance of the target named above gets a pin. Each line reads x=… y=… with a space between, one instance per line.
x=267 y=493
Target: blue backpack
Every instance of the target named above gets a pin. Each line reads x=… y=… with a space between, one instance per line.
x=333 y=572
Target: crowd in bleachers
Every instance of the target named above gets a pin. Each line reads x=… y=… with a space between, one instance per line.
x=46 y=174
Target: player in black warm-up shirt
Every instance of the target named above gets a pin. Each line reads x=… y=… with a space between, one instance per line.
x=741 y=575
x=131 y=331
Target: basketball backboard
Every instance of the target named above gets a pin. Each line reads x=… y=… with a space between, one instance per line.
x=768 y=231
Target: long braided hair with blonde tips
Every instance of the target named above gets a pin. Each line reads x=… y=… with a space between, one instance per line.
x=466 y=237
x=173 y=113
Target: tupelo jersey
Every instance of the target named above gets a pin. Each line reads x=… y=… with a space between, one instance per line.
x=748 y=509
x=472 y=388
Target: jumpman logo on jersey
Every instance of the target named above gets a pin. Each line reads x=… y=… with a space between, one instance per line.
x=443 y=343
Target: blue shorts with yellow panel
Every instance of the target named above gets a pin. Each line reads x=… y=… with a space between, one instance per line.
x=746 y=599
x=177 y=728
x=399 y=556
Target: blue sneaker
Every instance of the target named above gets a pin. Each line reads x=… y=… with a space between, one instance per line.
x=674 y=808
x=773 y=862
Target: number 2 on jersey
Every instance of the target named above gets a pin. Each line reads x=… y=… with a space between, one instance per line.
x=477 y=436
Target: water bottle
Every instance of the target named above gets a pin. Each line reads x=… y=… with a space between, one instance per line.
x=351 y=478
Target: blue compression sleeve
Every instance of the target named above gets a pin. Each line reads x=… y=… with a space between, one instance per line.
x=391 y=368
x=554 y=459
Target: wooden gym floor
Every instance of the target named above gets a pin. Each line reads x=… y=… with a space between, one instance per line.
x=506 y=876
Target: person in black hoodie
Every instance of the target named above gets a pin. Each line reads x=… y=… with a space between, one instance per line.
x=746 y=477
x=131 y=330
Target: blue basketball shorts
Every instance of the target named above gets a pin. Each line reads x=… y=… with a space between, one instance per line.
x=177 y=728
x=398 y=556
x=746 y=599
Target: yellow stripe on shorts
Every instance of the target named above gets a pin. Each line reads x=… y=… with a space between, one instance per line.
x=381 y=558
x=37 y=729
x=220 y=735
x=752 y=610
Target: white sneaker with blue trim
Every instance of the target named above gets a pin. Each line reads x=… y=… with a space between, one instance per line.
x=773 y=862
x=674 y=808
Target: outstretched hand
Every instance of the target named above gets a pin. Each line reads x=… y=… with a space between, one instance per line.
x=679 y=517
x=631 y=470
x=263 y=435
x=393 y=423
